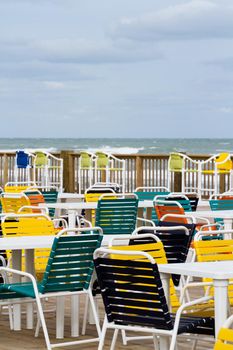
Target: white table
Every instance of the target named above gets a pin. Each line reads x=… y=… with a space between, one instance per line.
x=220 y=272
x=69 y=195
x=73 y=208
x=226 y=215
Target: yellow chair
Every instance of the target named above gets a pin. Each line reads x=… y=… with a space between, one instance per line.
x=30 y=225
x=225 y=336
x=13 y=202
x=17 y=187
x=214 y=250
x=93 y=195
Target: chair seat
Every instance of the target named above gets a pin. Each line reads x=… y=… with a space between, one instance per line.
x=196 y=325
x=22 y=289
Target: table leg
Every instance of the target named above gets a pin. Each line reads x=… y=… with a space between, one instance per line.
x=71 y=218
x=29 y=264
x=60 y=314
x=75 y=316
x=16 y=264
x=220 y=303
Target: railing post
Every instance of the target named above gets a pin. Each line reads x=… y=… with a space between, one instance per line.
x=177 y=182
x=5 y=170
x=68 y=171
x=222 y=183
x=139 y=171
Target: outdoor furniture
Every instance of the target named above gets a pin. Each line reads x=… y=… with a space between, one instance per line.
x=118 y=215
x=68 y=273
x=23 y=166
x=48 y=170
x=19 y=186
x=225 y=336
x=113 y=168
x=182 y=164
x=134 y=299
x=86 y=170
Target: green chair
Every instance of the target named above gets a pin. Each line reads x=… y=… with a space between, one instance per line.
x=85 y=170
x=69 y=272
x=181 y=163
x=118 y=215
x=114 y=168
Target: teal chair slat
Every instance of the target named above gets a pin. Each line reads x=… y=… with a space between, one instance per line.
x=117 y=216
x=220 y=204
x=185 y=203
x=50 y=197
x=149 y=196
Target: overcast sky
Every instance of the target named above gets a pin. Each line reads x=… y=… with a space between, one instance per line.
x=116 y=68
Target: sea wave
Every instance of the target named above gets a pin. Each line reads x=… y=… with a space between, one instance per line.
x=116 y=150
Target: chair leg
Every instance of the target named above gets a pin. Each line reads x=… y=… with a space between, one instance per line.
x=156 y=342
x=103 y=333
x=124 y=338
x=85 y=316
x=114 y=339
x=43 y=323
x=95 y=315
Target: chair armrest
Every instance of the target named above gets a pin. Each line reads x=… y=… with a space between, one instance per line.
x=186 y=306
x=188 y=216
x=192 y=285
x=43 y=210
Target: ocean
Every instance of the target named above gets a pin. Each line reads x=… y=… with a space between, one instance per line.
x=121 y=145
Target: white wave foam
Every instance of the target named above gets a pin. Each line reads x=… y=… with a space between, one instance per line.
x=116 y=150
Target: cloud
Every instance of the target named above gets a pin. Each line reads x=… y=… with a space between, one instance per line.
x=197 y=19
x=76 y=51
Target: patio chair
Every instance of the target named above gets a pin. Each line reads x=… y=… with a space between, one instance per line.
x=225 y=336
x=85 y=167
x=113 y=168
x=17 y=187
x=222 y=203
x=13 y=202
x=23 y=166
x=149 y=193
x=134 y=298
x=68 y=273
x=181 y=163
x=214 y=249
x=218 y=164
x=48 y=170
x=118 y=215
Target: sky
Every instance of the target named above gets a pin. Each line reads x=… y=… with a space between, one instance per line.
x=116 y=68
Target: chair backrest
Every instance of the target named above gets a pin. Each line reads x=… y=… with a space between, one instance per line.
x=131 y=289
x=223 y=162
x=41 y=159
x=150 y=243
x=117 y=215
x=102 y=160
x=12 y=202
x=175 y=162
x=176 y=240
x=70 y=265
x=27 y=224
x=183 y=200
x=225 y=336
x=22 y=159
x=164 y=207
x=149 y=193
x=17 y=187
x=50 y=196
x=35 y=198
x=85 y=160
x=221 y=204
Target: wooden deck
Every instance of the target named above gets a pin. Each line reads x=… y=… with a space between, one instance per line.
x=25 y=340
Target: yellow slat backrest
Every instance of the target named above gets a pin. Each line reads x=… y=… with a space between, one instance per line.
x=215 y=250
x=13 y=204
